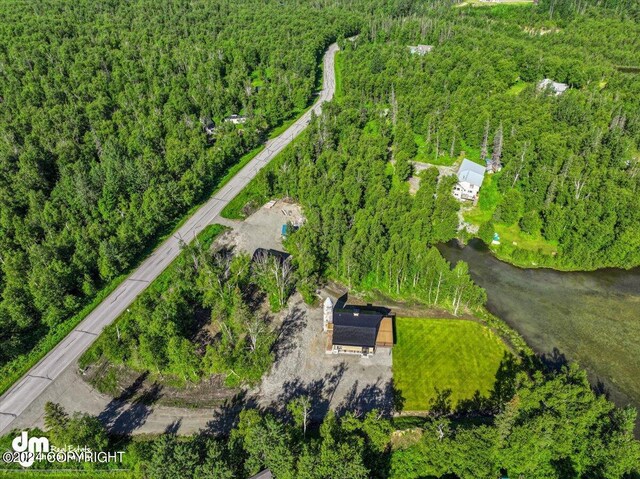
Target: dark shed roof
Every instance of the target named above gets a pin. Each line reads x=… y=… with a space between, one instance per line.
x=279 y=255
x=352 y=327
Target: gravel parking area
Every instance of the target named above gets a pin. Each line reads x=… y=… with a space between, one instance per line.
x=337 y=382
x=302 y=367
x=263 y=229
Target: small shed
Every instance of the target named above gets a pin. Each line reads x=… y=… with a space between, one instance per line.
x=261 y=253
x=236 y=119
x=210 y=128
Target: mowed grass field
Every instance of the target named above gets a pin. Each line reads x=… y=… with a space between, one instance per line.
x=438 y=354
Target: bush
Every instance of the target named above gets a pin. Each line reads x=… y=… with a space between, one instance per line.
x=531 y=223
x=485 y=232
x=510 y=208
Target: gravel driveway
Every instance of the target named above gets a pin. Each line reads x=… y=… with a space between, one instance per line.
x=331 y=381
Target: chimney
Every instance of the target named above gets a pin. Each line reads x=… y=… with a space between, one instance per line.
x=328 y=314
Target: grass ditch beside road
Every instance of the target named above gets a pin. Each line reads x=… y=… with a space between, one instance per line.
x=338 y=65
x=254 y=194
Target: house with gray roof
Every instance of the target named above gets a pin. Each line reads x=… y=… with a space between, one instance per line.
x=357 y=329
x=470 y=177
x=556 y=87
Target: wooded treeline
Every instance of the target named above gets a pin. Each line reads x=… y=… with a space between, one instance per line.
x=102 y=106
x=200 y=318
x=547 y=427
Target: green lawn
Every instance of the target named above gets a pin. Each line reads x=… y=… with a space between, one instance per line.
x=517 y=88
x=481 y=213
x=441 y=354
x=338 y=68
x=513 y=234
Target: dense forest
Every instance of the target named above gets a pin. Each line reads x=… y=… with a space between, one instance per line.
x=547 y=427
x=569 y=183
x=569 y=180
x=102 y=108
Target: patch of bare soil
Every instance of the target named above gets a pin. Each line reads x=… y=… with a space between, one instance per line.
x=406 y=438
x=133 y=386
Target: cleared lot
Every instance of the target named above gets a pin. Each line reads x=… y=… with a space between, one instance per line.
x=332 y=381
x=301 y=366
x=263 y=229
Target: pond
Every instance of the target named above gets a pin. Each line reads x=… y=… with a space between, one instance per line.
x=590 y=317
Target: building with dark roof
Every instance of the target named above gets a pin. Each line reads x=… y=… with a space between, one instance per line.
x=262 y=253
x=357 y=330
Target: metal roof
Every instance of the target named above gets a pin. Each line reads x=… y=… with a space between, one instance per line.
x=353 y=327
x=557 y=87
x=471 y=172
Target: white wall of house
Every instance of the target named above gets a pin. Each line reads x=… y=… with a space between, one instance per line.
x=465 y=190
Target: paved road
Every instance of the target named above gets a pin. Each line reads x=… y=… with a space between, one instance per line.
x=32 y=385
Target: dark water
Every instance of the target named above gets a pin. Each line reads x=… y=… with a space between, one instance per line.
x=590 y=317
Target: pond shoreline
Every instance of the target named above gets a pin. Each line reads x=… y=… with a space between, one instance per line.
x=586 y=316
x=479 y=244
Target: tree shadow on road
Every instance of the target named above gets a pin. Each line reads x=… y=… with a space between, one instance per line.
x=226 y=416
x=379 y=396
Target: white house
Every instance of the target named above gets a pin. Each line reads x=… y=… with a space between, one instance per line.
x=556 y=87
x=470 y=177
x=236 y=119
x=420 y=49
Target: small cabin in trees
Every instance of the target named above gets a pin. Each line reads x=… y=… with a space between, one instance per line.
x=493 y=165
x=210 y=128
x=470 y=178
x=356 y=329
x=556 y=87
x=262 y=254
x=236 y=119
x=420 y=49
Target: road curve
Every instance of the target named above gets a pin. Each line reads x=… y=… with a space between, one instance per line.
x=39 y=377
